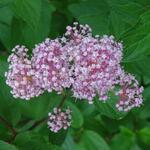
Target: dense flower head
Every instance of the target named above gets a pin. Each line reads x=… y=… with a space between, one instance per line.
x=95 y=64
x=21 y=76
x=130 y=94
x=51 y=65
x=88 y=65
x=59 y=119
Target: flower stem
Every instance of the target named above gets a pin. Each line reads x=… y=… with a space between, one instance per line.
x=62 y=101
x=9 y=126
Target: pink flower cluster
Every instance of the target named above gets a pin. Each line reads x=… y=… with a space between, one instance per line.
x=95 y=66
x=59 y=119
x=51 y=65
x=21 y=75
x=88 y=65
x=130 y=93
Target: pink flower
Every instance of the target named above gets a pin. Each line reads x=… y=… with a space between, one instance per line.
x=76 y=33
x=130 y=94
x=94 y=64
x=59 y=119
x=21 y=75
x=51 y=65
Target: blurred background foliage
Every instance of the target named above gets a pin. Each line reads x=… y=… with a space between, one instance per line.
x=94 y=127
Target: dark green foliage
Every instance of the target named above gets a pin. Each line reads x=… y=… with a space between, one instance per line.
x=94 y=127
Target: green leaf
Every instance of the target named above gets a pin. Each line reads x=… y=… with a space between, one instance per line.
x=123 y=141
x=4 y=132
x=33 y=141
x=28 y=10
x=93 y=13
x=108 y=108
x=107 y=17
x=69 y=144
x=146 y=93
x=138 y=70
x=23 y=33
x=138 y=50
x=144 y=135
x=5 y=2
x=135 y=147
x=5 y=25
x=114 y=126
x=145 y=17
x=6 y=146
x=77 y=117
x=8 y=108
x=61 y=135
x=42 y=30
x=137 y=40
x=145 y=3
x=92 y=141
x=123 y=15
x=4 y=65
x=38 y=107
x=145 y=110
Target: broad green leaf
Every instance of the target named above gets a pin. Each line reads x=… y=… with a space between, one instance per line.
x=33 y=141
x=93 y=13
x=145 y=3
x=5 y=35
x=4 y=132
x=8 y=108
x=6 y=96
x=135 y=147
x=77 y=117
x=138 y=50
x=136 y=41
x=38 y=108
x=36 y=35
x=144 y=135
x=28 y=10
x=61 y=135
x=146 y=93
x=5 y=25
x=5 y=2
x=6 y=146
x=123 y=15
x=69 y=144
x=146 y=80
x=107 y=17
x=145 y=110
x=23 y=33
x=145 y=17
x=123 y=140
x=114 y=126
x=108 y=108
x=6 y=11
x=137 y=69
x=93 y=141
x=58 y=27
x=4 y=65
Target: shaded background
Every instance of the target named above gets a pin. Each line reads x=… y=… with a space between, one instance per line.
x=94 y=127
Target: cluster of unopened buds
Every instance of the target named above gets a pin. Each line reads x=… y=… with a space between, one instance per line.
x=88 y=65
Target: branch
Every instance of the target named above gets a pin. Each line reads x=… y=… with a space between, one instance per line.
x=37 y=123
x=62 y=101
x=9 y=126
